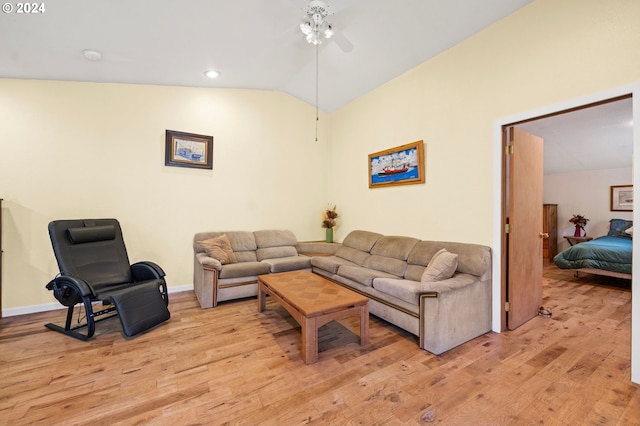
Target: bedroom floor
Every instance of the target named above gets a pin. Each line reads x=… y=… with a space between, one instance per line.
x=233 y=365
x=552 y=272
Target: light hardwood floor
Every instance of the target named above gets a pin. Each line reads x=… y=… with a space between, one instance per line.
x=233 y=365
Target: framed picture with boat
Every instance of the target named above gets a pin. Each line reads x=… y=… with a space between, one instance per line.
x=402 y=165
x=188 y=150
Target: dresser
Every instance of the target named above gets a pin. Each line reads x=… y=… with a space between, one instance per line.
x=550 y=226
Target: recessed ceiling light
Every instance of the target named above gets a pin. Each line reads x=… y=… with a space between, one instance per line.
x=92 y=55
x=212 y=74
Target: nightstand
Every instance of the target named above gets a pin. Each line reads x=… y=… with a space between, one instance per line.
x=577 y=240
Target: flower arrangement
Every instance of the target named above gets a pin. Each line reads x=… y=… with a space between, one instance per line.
x=579 y=221
x=329 y=217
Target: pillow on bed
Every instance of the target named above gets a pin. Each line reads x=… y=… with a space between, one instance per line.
x=629 y=231
x=617 y=228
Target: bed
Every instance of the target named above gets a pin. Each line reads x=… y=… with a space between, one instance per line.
x=610 y=255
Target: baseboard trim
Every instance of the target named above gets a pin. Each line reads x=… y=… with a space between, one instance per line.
x=33 y=309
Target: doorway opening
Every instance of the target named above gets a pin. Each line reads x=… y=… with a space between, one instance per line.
x=499 y=266
x=586 y=150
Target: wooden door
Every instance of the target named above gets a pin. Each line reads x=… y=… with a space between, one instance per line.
x=524 y=236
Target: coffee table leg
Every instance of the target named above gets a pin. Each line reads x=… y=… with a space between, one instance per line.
x=261 y=298
x=309 y=341
x=364 y=325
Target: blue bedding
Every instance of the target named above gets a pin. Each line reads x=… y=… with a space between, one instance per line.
x=607 y=253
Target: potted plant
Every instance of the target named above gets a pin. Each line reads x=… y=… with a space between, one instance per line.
x=580 y=222
x=329 y=217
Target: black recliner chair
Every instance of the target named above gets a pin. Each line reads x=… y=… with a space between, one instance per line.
x=94 y=267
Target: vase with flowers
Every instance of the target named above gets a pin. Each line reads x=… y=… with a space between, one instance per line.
x=580 y=222
x=329 y=216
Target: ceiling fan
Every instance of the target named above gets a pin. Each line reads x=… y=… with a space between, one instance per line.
x=315 y=27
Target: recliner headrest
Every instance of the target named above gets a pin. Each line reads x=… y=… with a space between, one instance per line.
x=91 y=234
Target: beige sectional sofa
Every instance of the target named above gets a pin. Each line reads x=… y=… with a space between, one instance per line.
x=438 y=291
x=442 y=311
x=256 y=253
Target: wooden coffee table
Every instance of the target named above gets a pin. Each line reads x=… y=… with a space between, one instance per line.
x=313 y=301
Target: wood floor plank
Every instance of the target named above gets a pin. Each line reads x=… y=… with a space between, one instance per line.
x=234 y=365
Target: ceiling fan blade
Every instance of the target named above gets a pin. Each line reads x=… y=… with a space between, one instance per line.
x=343 y=42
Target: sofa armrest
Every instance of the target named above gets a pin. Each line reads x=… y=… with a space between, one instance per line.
x=453 y=312
x=205 y=279
x=457 y=281
x=207 y=262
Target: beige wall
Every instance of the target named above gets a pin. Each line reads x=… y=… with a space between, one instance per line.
x=110 y=138
x=73 y=150
x=547 y=52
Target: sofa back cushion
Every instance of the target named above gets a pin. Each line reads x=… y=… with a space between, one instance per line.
x=243 y=243
x=473 y=259
x=273 y=244
x=394 y=247
x=389 y=254
x=356 y=246
x=361 y=240
x=386 y=264
x=274 y=238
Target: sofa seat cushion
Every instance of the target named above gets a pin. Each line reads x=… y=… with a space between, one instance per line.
x=406 y=290
x=290 y=263
x=361 y=275
x=410 y=291
x=243 y=269
x=330 y=263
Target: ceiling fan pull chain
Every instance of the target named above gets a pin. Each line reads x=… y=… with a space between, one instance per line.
x=317 y=119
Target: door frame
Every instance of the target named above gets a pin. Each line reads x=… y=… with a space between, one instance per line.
x=498 y=226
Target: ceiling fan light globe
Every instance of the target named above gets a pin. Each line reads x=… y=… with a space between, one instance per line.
x=313 y=38
x=305 y=25
x=328 y=32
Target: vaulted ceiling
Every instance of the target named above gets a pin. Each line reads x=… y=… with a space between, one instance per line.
x=257 y=44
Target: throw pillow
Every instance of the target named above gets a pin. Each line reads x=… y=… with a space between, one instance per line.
x=629 y=231
x=219 y=248
x=442 y=266
x=618 y=226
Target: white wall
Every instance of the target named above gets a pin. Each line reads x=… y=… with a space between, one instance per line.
x=586 y=193
x=75 y=150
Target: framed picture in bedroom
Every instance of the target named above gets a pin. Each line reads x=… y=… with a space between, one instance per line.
x=402 y=165
x=188 y=150
x=622 y=198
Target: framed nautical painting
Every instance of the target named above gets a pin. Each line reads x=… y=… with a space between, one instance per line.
x=188 y=150
x=402 y=165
